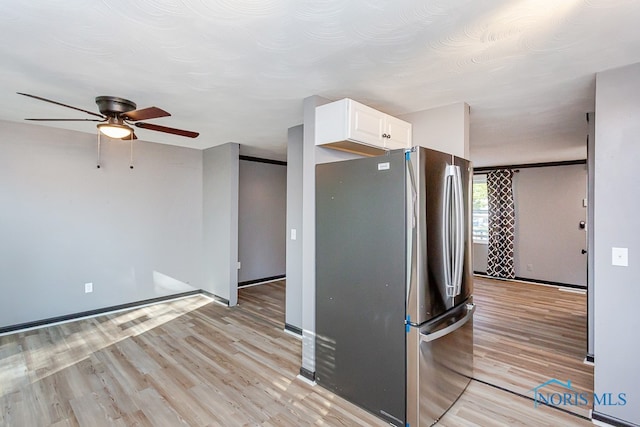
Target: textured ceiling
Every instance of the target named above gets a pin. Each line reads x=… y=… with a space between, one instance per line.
x=238 y=70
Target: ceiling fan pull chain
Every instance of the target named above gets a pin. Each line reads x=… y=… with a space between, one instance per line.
x=131 y=157
x=98 y=161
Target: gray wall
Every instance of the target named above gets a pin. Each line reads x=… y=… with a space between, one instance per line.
x=548 y=241
x=549 y=206
x=220 y=221
x=617 y=289
x=293 y=303
x=480 y=254
x=135 y=234
x=262 y=211
x=308 y=207
x=444 y=128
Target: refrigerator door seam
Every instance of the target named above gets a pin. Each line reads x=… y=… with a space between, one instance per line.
x=411 y=224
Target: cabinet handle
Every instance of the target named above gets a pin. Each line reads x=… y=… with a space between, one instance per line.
x=384 y=135
x=389 y=136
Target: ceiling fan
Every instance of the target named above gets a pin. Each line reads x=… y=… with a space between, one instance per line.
x=116 y=117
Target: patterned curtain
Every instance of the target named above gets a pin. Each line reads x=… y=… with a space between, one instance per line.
x=502 y=221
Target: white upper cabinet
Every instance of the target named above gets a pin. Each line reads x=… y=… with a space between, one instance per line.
x=350 y=126
x=365 y=124
x=398 y=133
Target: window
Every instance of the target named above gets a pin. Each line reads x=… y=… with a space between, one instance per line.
x=480 y=209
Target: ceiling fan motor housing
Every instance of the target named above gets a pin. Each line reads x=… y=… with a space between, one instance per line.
x=112 y=105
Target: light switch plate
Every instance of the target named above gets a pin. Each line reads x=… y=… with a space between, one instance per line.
x=294 y=234
x=620 y=257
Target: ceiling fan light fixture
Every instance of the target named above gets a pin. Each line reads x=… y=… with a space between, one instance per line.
x=115 y=131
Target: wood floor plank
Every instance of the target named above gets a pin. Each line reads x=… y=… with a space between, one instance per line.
x=217 y=403
x=157 y=409
x=95 y=408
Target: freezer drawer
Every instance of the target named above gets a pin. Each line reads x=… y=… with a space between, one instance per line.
x=444 y=353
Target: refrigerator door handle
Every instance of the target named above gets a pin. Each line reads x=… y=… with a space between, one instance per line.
x=446 y=234
x=459 y=231
x=428 y=337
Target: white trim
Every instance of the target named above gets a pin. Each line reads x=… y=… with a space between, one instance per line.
x=293 y=334
x=601 y=423
x=307 y=380
x=574 y=290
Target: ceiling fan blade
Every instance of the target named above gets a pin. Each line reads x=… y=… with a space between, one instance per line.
x=145 y=114
x=66 y=120
x=187 y=133
x=61 y=104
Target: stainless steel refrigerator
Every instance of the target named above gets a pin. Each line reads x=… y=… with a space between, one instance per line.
x=394 y=310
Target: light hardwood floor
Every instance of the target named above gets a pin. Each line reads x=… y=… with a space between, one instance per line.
x=526 y=334
x=194 y=362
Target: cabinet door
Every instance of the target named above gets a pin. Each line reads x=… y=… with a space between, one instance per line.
x=366 y=124
x=399 y=131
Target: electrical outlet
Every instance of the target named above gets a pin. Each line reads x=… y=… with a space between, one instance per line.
x=239 y=265
x=88 y=287
x=529 y=267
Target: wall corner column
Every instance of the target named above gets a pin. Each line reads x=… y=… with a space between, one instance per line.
x=293 y=297
x=309 y=235
x=220 y=221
